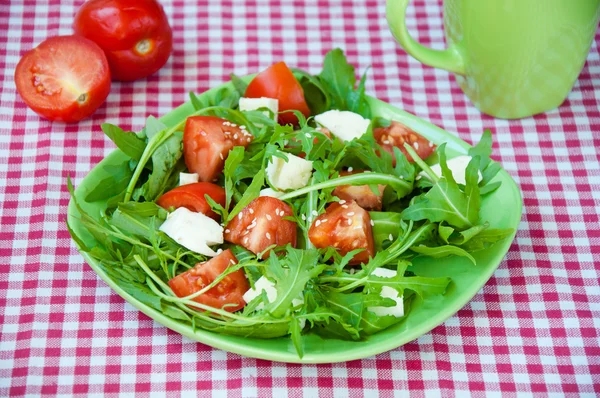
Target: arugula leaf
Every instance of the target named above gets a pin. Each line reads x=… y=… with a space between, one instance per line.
x=445 y=201
x=486 y=238
x=442 y=251
x=239 y=84
x=164 y=159
x=128 y=142
x=339 y=80
x=386 y=224
x=112 y=186
x=251 y=193
x=315 y=93
x=300 y=267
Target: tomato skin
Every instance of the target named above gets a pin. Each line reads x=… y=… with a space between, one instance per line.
x=207 y=141
x=361 y=194
x=266 y=214
x=120 y=27
x=278 y=81
x=52 y=78
x=396 y=134
x=229 y=291
x=192 y=197
x=332 y=228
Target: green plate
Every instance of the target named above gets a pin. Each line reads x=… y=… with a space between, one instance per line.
x=424 y=315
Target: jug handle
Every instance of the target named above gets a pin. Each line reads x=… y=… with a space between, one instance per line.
x=449 y=59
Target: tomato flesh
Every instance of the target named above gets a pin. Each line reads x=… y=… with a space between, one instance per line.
x=65 y=78
x=278 y=81
x=229 y=291
x=361 y=194
x=191 y=196
x=134 y=34
x=207 y=141
x=345 y=226
x=396 y=134
x=261 y=224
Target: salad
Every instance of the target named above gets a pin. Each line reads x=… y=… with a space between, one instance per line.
x=283 y=207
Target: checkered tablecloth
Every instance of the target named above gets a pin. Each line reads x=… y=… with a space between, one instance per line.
x=534 y=329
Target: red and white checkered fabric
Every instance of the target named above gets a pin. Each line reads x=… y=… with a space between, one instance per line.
x=534 y=329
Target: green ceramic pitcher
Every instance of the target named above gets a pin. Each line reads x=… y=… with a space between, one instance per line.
x=512 y=58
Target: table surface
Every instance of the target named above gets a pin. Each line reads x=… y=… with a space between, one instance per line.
x=533 y=329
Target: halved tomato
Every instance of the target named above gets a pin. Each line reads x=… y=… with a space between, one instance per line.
x=261 y=224
x=229 y=291
x=345 y=226
x=65 y=78
x=278 y=81
x=191 y=196
x=207 y=141
x=361 y=194
x=396 y=134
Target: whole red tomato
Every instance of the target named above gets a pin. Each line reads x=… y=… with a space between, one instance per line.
x=134 y=34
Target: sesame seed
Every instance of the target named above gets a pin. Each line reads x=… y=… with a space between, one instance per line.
x=277 y=211
x=314 y=213
x=324 y=220
x=418 y=177
x=386 y=141
x=233 y=125
x=231 y=261
x=357 y=227
x=242 y=127
x=391 y=237
x=268 y=235
x=345 y=206
x=240 y=215
x=249 y=139
x=402 y=177
x=430 y=144
x=226 y=123
x=317 y=223
x=219 y=251
x=246 y=240
x=342 y=202
x=372 y=223
x=269 y=217
x=416 y=145
x=235 y=136
x=350 y=214
x=307 y=135
x=303 y=217
x=227 y=231
x=203 y=133
x=221 y=156
x=350 y=168
x=251 y=211
x=349 y=221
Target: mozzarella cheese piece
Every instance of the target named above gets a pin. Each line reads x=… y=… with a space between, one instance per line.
x=252 y=104
x=262 y=284
x=458 y=167
x=271 y=192
x=194 y=231
x=388 y=292
x=345 y=125
x=293 y=174
x=187 y=178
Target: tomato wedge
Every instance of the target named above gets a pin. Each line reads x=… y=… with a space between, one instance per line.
x=65 y=78
x=361 y=194
x=278 y=81
x=396 y=134
x=345 y=226
x=261 y=224
x=191 y=196
x=229 y=291
x=207 y=141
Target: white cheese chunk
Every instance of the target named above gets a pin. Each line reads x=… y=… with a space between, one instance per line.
x=187 y=178
x=345 y=125
x=194 y=231
x=271 y=192
x=388 y=292
x=262 y=284
x=458 y=167
x=293 y=174
x=252 y=104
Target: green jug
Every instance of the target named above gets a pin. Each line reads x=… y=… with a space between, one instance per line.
x=512 y=58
